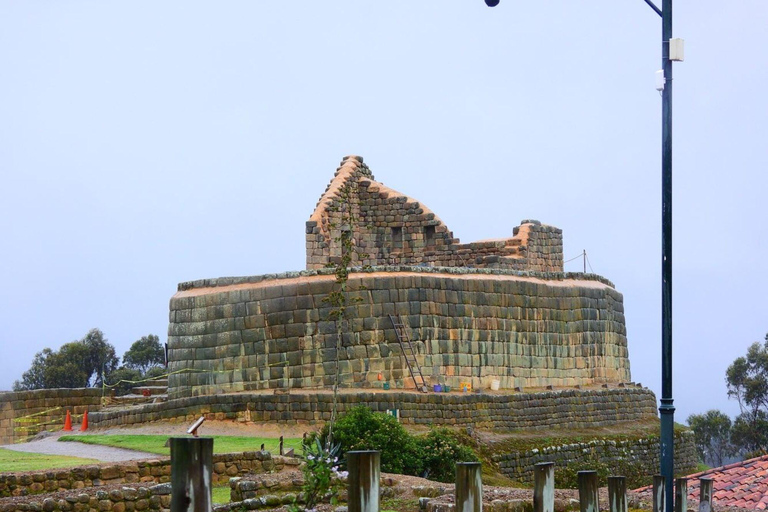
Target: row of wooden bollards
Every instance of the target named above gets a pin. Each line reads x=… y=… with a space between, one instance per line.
x=544 y=492
x=192 y=468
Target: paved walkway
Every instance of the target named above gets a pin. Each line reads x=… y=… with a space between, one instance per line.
x=51 y=446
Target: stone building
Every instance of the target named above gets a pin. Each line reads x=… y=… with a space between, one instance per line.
x=391 y=228
x=498 y=310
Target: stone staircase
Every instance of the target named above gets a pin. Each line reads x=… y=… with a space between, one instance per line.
x=151 y=391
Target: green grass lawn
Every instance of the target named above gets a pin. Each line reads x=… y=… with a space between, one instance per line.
x=156 y=443
x=23 y=461
x=221 y=495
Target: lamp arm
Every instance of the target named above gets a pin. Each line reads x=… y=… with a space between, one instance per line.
x=653 y=6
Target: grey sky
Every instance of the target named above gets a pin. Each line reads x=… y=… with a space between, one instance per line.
x=147 y=143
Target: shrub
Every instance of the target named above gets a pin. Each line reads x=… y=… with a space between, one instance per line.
x=439 y=451
x=363 y=429
x=433 y=455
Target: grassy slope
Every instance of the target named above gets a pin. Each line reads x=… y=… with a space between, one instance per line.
x=23 y=461
x=156 y=443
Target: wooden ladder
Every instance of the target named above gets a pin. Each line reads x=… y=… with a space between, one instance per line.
x=410 y=355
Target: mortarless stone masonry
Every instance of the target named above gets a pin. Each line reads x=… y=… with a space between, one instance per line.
x=392 y=228
x=494 y=310
x=524 y=329
x=564 y=409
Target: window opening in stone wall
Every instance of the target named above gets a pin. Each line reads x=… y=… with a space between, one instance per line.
x=397 y=238
x=429 y=235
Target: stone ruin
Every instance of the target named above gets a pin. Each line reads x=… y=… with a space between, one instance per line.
x=496 y=310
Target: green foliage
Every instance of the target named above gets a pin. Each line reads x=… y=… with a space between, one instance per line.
x=747 y=380
x=750 y=433
x=434 y=455
x=322 y=477
x=77 y=364
x=363 y=429
x=123 y=379
x=567 y=476
x=145 y=353
x=439 y=452
x=712 y=436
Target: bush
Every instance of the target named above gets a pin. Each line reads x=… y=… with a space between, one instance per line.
x=363 y=429
x=439 y=451
x=434 y=455
x=122 y=379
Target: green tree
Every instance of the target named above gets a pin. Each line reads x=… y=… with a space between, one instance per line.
x=747 y=379
x=712 y=436
x=144 y=354
x=77 y=364
x=101 y=358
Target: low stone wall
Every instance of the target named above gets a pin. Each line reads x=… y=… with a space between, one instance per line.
x=515 y=411
x=467 y=325
x=225 y=466
x=125 y=499
x=638 y=456
x=25 y=413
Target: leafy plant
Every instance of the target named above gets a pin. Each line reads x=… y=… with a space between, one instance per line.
x=322 y=478
x=439 y=452
x=363 y=429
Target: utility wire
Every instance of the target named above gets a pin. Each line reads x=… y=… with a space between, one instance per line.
x=574 y=258
x=588 y=263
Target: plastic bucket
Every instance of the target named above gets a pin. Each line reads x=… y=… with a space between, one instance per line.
x=437 y=388
x=495 y=383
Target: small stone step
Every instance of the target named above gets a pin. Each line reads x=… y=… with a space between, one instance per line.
x=149 y=390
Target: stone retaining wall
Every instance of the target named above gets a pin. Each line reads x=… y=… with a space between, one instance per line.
x=638 y=456
x=126 y=499
x=523 y=329
x=25 y=413
x=225 y=466
x=516 y=411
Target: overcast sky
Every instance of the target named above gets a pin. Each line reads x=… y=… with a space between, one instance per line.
x=147 y=143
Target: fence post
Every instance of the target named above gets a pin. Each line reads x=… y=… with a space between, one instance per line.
x=544 y=487
x=617 y=494
x=469 y=487
x=681 y=495
x=705 y=494
x=191 y=474
x=659 y=490
x=588 y=491
x=363 y=485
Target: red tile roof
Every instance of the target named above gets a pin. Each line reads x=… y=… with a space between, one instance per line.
x=741 y=484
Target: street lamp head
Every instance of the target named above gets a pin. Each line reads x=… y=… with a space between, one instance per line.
x=491 y=3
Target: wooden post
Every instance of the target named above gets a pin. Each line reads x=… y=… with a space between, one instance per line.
x=363 y=483
x=544 y=487
x=681 y=495
x=588 y=491
x=659 y=491
x=617 y=494
x=705 y=495
x=281 y=446
x=469 y=487
x=191 y=474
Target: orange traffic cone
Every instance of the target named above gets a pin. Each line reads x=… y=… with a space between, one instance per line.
x=68 y=423
x=84 y=424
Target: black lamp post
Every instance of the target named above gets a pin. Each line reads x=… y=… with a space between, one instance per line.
x=666 y=410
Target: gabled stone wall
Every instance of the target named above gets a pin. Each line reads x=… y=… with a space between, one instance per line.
x=390 y=228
